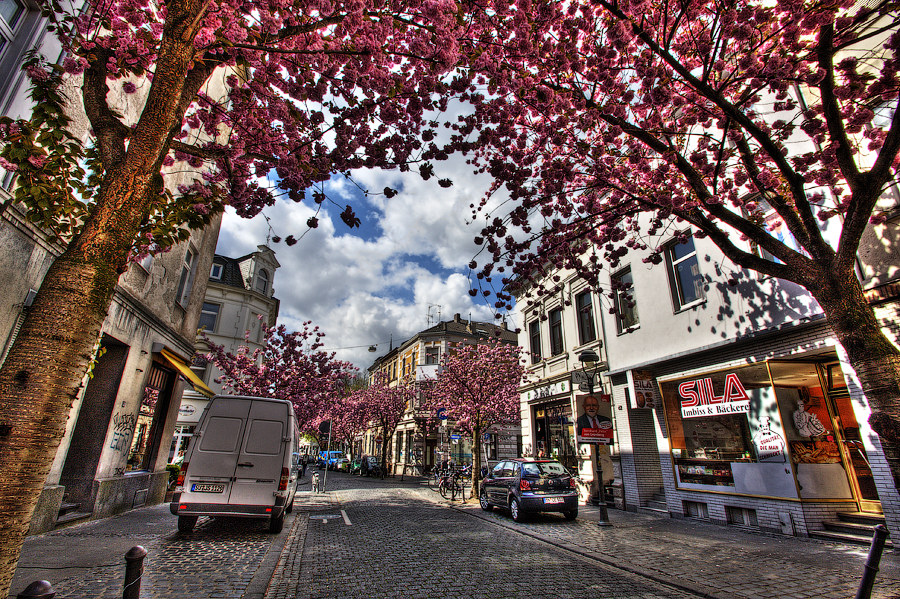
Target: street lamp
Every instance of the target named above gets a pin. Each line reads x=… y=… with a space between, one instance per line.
x=590 y=367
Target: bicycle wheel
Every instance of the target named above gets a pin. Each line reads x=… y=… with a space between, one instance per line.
x=456 y=490
x=443 y=487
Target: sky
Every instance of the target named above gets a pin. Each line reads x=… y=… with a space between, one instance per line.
x=381 y=282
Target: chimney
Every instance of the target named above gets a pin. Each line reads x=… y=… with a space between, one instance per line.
x=457 y=317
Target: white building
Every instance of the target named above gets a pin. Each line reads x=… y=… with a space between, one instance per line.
x=240 y=296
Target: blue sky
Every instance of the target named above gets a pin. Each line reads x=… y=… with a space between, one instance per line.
x=368 y=285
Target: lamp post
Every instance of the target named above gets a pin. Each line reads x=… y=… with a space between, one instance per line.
x=589 y=366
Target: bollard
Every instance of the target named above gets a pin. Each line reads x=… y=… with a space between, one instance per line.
x=134 y=569
x=39 y=589
x=871 y=567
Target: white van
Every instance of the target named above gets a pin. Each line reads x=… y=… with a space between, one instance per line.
x=243 y=462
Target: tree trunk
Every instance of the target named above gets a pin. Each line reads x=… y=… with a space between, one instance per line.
x=43 y=372
x=871 y=354
x=476 y=459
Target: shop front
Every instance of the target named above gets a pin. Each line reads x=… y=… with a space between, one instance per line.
x=784 y=431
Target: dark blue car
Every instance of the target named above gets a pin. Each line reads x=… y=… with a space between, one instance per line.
x=528 y=485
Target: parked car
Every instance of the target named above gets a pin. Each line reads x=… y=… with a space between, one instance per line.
x=327 y=459
x=342 y=464
x=527 y=485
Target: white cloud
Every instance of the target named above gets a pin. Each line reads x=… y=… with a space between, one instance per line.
x=364 y=292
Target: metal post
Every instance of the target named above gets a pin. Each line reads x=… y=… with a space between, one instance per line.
x=39 y=589
x=134 y=569
x=601 y=492
x=327 y=457
x=871 y=567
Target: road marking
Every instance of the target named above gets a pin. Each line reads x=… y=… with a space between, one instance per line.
x=324 y=517
x=346 y=519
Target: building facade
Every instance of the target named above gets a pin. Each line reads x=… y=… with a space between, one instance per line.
x=240 y=296
x=420 y=441
x=114 y=451
x=558 y=328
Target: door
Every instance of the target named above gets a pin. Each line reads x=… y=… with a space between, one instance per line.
x=261 y=457
x=213 y=457
x=851 y=441
x=491 y=484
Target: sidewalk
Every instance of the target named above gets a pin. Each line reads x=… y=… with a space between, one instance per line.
x=707 y=559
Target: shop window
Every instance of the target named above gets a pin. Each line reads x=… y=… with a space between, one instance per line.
x=556 y=332
x=739 y=516
x=685 y=280
x=584 y=307
x=209 y=315
x=725 y=432
x=626 y=307
x=534 y=336
x=696 y=509
x=147 y=428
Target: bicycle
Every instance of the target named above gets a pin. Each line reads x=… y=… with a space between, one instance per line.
x=452 y=483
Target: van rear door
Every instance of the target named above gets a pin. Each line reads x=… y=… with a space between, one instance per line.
x=214 y=455
x=261 y=458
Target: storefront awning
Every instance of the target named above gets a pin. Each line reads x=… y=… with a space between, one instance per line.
x=186 y=372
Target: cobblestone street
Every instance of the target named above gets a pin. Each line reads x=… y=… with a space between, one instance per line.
x=372 y=538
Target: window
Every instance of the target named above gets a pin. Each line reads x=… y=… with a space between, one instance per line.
x=556 y=336
x=587 y=332
x=10 y=14
x=209 y=314
x=626 y=310
x=534 y=334
x=684 y=274
x=186 y=281
x=432 y=355
x=215 y=272
x=262 y=280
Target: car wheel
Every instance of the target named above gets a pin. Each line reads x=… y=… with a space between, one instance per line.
x=483 y=500
x=515 y=510
x=571 y=514
x=276 y=524
x=186 y=523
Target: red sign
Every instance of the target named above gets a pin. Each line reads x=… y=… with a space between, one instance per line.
x=698 y=398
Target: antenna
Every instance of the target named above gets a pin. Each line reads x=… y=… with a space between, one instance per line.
x=432 y=309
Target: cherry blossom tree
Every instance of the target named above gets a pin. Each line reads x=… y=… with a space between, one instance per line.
x=381 y=406
x=478 y=387
x=290 y=366
x=314 y=88
x=613 y=125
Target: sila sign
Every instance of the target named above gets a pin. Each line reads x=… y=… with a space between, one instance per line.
x=699 y=399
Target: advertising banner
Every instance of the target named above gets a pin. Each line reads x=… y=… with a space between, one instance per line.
x=594 y=423
x=644 y=392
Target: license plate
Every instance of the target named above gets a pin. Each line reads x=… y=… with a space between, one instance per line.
x=208 y=487
x=553 y=499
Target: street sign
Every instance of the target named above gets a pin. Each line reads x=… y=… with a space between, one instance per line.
x=441 y=414
x=455 y=437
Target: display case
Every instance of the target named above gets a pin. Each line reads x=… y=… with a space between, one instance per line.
x=705 y=472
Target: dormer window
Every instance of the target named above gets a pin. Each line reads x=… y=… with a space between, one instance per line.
x=262 y=280
x=216 y=272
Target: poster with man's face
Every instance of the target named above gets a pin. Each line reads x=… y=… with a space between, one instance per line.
x=594 y=422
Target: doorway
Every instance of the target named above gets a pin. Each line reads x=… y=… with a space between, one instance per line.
x=851 y=442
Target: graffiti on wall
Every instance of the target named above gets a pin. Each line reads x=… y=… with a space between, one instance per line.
x=123 y=428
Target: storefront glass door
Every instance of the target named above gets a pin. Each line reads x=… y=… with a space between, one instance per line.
x=555 y=433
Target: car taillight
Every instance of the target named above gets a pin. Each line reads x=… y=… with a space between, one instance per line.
x=524 y=485
x=572 y=483
x=179 y=482
x=285 y=476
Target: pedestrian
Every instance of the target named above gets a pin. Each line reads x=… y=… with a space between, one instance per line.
x=303 y=463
